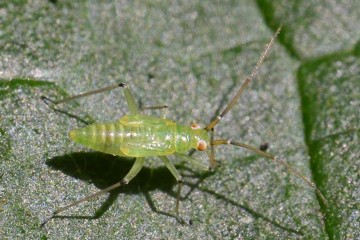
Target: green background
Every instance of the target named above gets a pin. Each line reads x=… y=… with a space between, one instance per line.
x=192 y=56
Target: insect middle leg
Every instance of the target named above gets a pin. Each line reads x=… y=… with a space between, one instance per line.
x=164 y=108
x=178 y=178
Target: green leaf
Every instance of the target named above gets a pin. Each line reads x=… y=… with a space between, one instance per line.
x=330 y=94
x=192 y=56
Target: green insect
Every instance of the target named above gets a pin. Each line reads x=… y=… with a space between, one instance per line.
x=141 y=136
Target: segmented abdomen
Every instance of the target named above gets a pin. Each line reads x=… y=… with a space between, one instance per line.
x=133 y=135
x=100 y=137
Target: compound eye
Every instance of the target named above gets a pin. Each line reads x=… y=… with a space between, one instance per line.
x=201 y=145
x=195 y=126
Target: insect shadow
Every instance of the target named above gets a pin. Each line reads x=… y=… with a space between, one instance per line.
x=103 y=170
x=86 y=120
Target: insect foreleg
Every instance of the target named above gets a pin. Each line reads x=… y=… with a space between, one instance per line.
x=193 y=161
x=129 y=176
x=178 y=178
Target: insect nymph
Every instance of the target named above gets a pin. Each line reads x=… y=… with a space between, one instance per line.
x=140 y=136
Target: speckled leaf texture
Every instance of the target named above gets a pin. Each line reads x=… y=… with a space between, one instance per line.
x=192 y=56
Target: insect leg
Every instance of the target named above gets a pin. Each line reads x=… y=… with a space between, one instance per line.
x=161 y=107
x=192 y=161
x=129 y=176
x=133 y=108
x=128 y=97
x=178 y=178
x=51 y=102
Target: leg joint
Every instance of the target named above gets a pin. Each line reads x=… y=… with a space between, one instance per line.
x=124 y=181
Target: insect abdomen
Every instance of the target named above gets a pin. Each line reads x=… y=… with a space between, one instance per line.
x=100 y=137
x=132 y=135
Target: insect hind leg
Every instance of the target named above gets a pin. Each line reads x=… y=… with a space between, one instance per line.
x=133 y=108
x=135 y=169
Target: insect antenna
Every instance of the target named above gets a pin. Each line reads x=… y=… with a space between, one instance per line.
x=268 y=46
x=215 y=121
x=275 y=159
